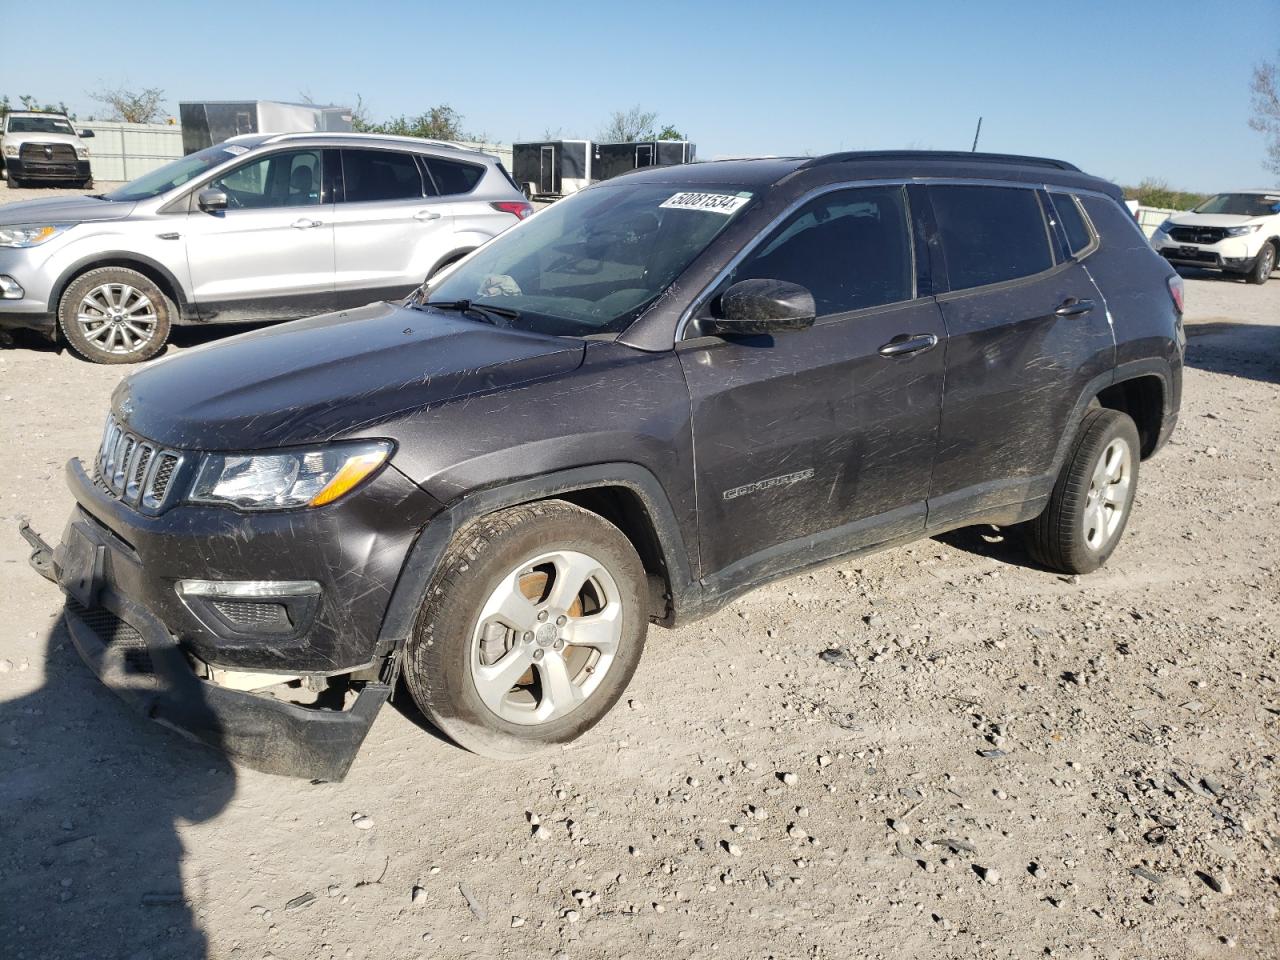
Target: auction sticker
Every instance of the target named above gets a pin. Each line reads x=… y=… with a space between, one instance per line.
x=713 y=202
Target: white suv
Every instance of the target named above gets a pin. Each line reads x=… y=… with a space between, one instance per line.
x=1233 y=232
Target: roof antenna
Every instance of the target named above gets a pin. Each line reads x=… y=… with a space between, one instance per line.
x=976 y=134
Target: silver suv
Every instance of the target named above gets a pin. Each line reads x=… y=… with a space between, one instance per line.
x=261 y=227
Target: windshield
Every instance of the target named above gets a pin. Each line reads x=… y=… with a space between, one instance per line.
x=39 y=125
x=175 y=174
x=593 y=262
x=1242 y=204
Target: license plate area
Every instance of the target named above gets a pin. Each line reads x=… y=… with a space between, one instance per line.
x=83 y=560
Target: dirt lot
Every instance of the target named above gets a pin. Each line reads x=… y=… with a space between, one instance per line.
x=1007 y=763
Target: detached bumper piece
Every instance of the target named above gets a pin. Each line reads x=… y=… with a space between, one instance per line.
x=135 y=656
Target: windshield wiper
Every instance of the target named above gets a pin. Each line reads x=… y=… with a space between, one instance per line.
x=466 y=306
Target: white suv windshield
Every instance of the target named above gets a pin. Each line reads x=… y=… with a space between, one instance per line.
x=175 y=174
x=594 y=261
x=39 y=125
x=1242 y=204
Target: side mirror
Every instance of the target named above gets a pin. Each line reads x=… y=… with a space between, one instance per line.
x=87 y=134
x=211 y=200
x=752 y=307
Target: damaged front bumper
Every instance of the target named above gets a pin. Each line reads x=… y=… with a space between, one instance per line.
x=135 y=656
x=136 y=643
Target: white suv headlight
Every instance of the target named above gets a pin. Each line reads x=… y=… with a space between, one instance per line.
x=82 y=153
x=30 y=236
x=1243 y=230
x=288 y=478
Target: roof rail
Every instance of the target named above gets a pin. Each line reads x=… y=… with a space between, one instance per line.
x=419 y=141
x=953 y=156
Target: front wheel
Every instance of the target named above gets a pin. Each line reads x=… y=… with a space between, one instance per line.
x=531 y=630
x=115 y=315
x=1091 y=502
x=1263 y=265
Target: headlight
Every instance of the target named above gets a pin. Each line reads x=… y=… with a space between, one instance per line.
x=29 y=236
x=82 y=153
x=1166 y=226
x=1244 y=230
x=289 y=478
x=10 y=151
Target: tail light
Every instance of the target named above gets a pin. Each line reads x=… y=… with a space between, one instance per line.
x=1175 y=291
x=517 y=208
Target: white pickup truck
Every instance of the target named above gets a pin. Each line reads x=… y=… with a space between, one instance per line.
x=1233 y=232
x=38 y=147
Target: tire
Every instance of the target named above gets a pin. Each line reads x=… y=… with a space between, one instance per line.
x=514 y=559
x=86 y=184
x=119 y=305
x=1088 y=509
x=1263 y=265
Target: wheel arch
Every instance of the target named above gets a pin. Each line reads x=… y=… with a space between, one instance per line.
x=625 y=494
x=153 y=271
x=1143 y=398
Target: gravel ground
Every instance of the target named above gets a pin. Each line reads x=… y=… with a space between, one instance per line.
x=1000 y=762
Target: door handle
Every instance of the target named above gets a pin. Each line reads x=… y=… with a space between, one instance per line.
x=426 y=215
x=1071 y=307
x=305 y=224
x=905 y=344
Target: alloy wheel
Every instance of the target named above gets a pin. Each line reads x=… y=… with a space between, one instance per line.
x=546 y=637
x=117 y=318
x=1108 y=496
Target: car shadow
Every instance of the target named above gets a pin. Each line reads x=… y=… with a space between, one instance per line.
x=181 y=338
x=91 y=797
x=1002 y=544
x=1249 y=350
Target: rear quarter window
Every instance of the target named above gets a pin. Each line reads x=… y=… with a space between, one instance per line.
x=990 y=234
x=453 y=176
x=1079 y=236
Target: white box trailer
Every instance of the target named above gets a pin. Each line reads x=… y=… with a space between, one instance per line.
x=207 y=122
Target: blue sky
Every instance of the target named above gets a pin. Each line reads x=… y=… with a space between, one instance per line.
x=1123 y=89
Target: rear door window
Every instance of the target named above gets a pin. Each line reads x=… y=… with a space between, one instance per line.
x=380 y=175
x=990 y=234
x=851 y=249
x=453 y=176
x=1073 y=223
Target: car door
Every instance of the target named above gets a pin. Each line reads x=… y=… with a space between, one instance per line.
x=1027 y=333
x=389 y=228
x=812 y=443
x=269 y=254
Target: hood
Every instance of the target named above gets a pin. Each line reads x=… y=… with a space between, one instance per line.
x=312 y=380
x=17 y=139
x=64 y=210
x=1210 y=219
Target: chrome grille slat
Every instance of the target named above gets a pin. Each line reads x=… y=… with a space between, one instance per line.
x=134 y=470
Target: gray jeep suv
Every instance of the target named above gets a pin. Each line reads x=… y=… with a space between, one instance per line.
x=659 y=393
x=262 y=227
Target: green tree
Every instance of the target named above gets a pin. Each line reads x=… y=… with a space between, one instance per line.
x=132 y=106
x=627 y=126
x=670 y=133
x=437 y=123
x=27 y=102
x=1152 y=192
x=1265 y=88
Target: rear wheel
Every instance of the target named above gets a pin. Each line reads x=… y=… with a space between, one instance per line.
x=531 y=630
x=1091 y=502
x=115 y=315
x=1263 y=266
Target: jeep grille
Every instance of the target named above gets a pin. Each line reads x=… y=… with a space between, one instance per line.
x=134 y=470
